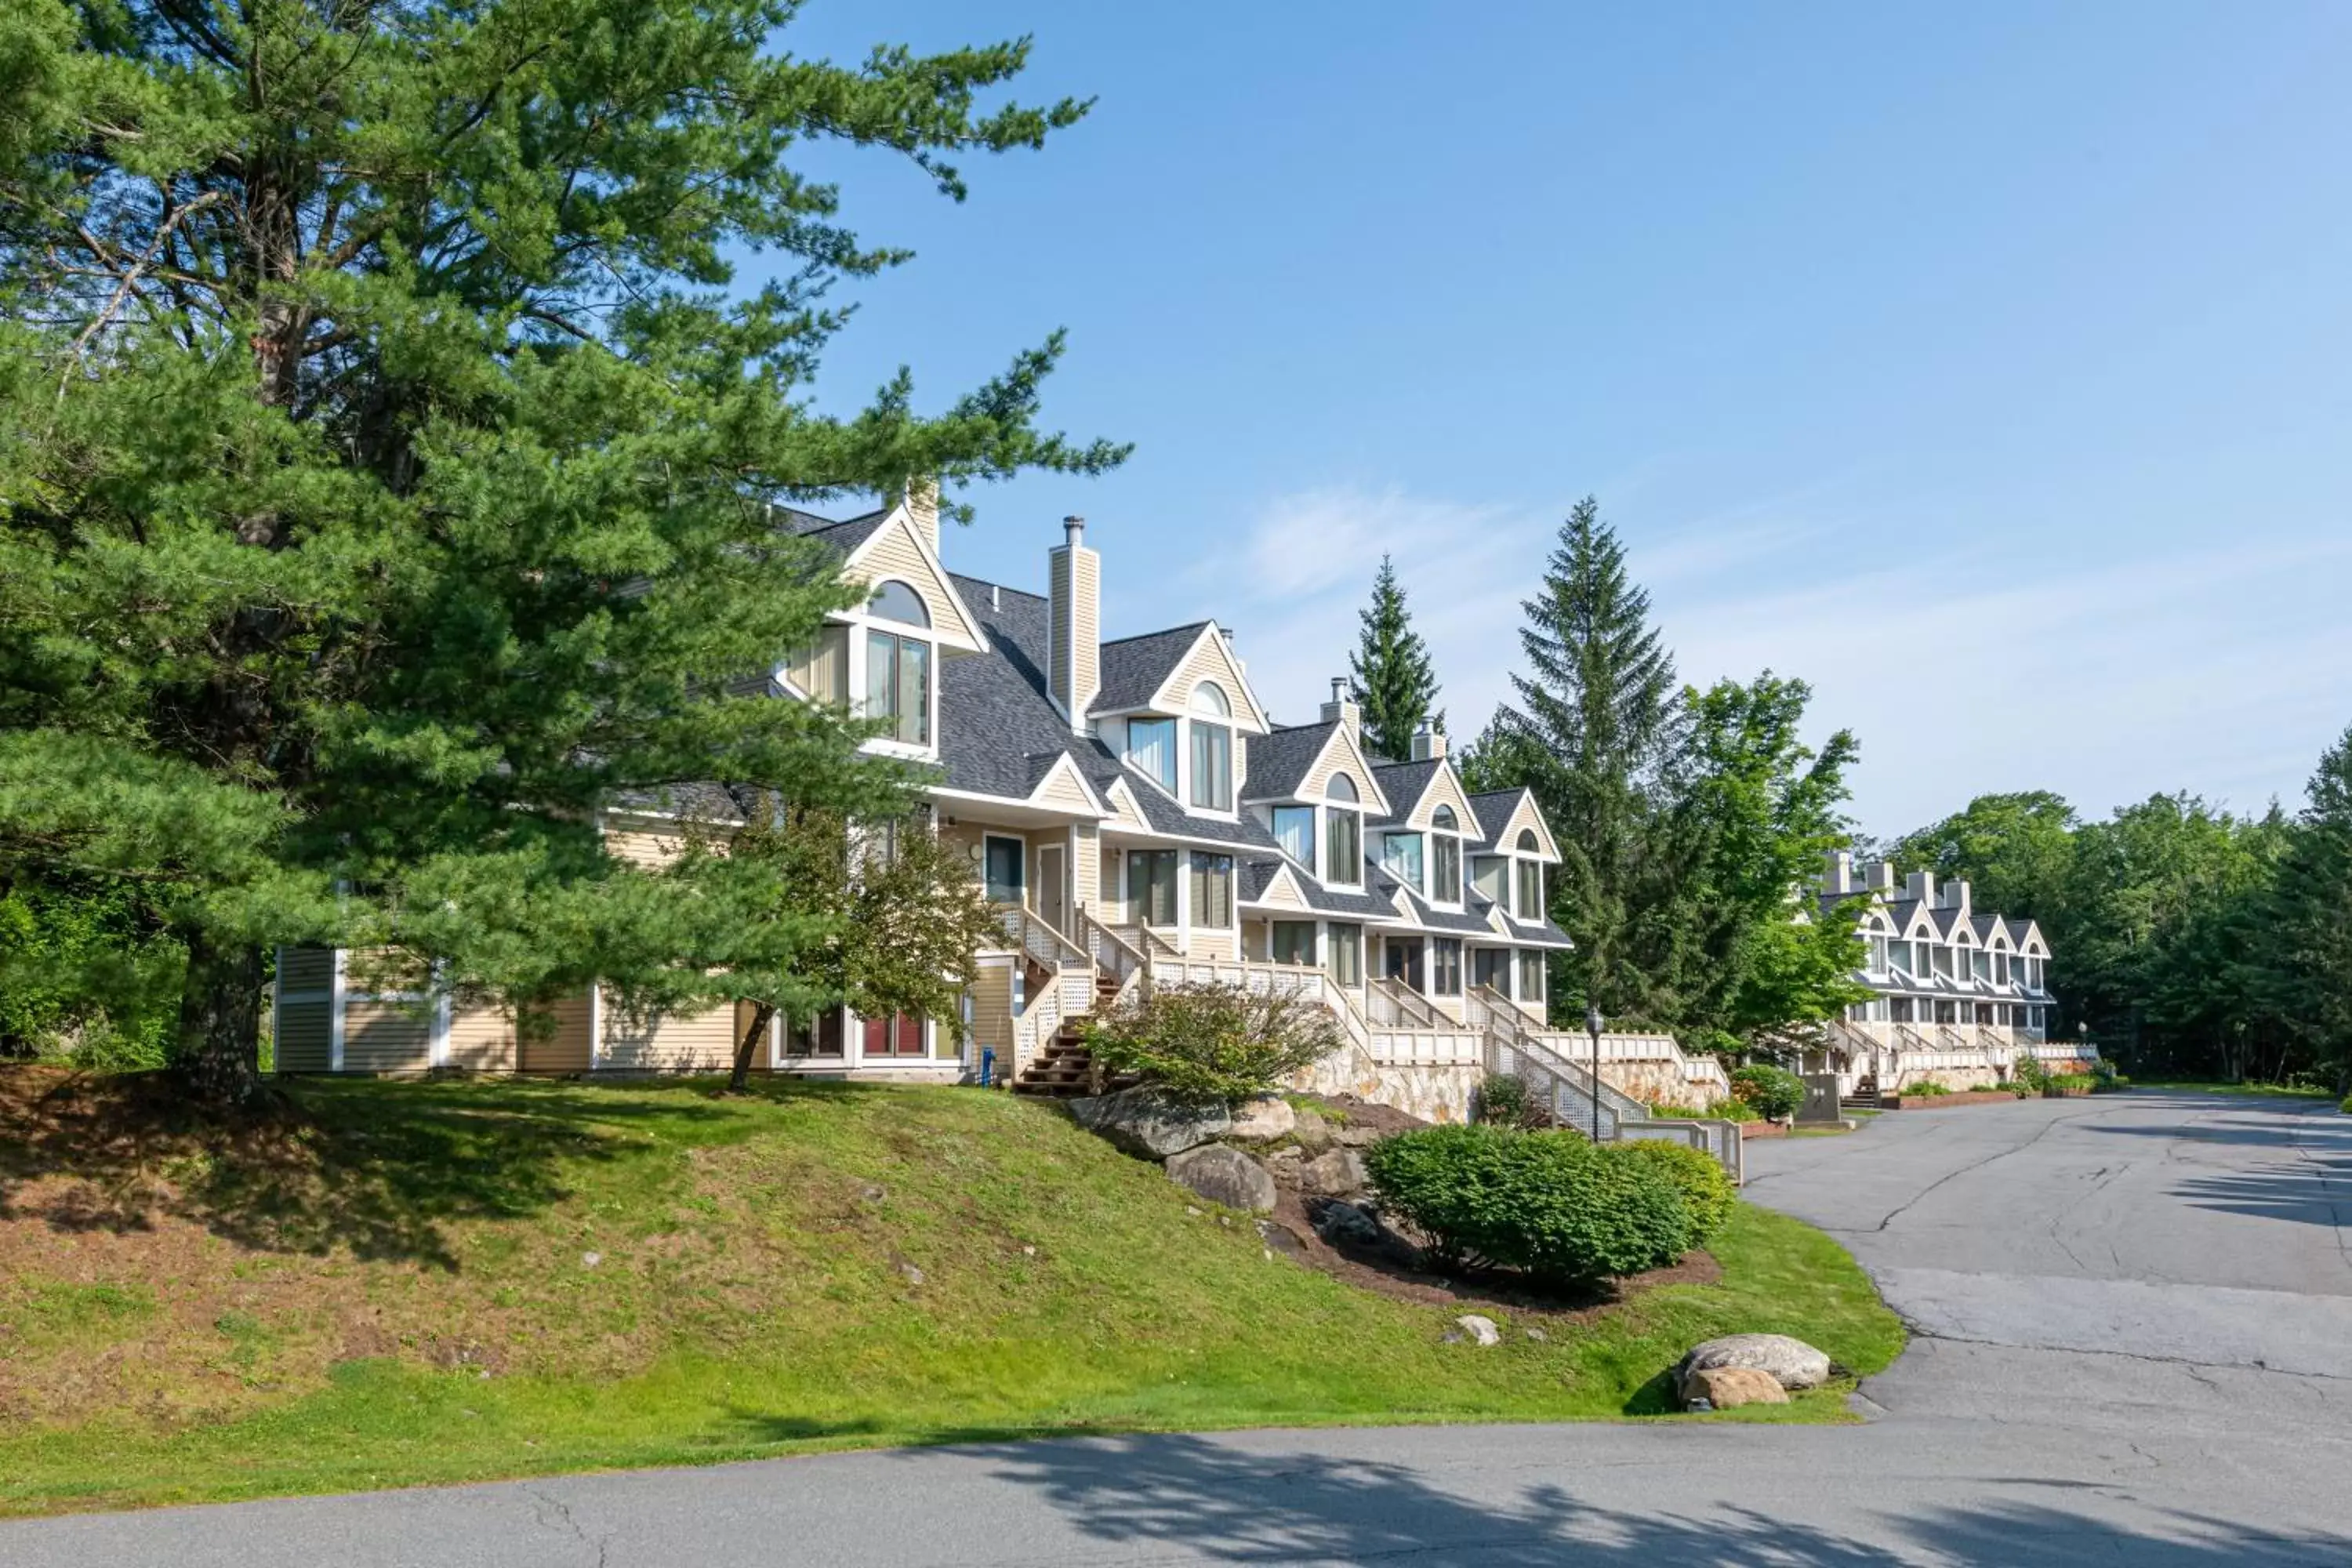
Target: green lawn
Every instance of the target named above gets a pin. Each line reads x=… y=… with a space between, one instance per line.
x=457 y=1281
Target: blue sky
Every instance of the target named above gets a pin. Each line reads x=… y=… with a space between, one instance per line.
x=1986 y=366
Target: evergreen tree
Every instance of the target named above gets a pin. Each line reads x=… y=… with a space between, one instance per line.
x=386 y=470
x=1390 y=671
x=1600 y=708
x=2308 y=936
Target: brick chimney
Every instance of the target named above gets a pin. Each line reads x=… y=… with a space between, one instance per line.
x=1839 y=881
x=1343 y=708
x=1074 y=623
x=922 y=498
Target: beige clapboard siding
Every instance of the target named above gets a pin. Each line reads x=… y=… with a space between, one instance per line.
x=1074 y=627
x=891 y=554
x=1524 y=816
x=1209 y=661
x=305 y=969
x=991 y=1011
x=386 y=1036
x=305 y=1036
x=1085 y=868
x=1120 y=798
x=1215 y=944
x=642 y=846
x=670 y=1042
x=1444 y=789
x=566 y=1048
x=1110 y=909
x=1340 y=755
x=1063 y=791
x=1282 y=893
x=482 y=1039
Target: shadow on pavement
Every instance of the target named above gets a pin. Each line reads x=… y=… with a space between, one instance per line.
x=1203 y=1498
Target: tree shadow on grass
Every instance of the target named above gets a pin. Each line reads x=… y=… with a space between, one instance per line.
x=380 y=1166
x=1200 y=1499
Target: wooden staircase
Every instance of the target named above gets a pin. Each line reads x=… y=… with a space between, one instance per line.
x=1066 y=1069
x=1866 y=1094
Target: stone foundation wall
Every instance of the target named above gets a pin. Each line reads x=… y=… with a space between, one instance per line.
x=1957 y=1079
x=1652 y=1083
x=1432 y=1093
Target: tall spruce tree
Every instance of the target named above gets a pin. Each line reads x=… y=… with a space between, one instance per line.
x=1394 y=682
x=387 y=461
x=2307 y=939
x=1600 y=712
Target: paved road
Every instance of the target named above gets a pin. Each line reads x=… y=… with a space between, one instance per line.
x=2134 y=1346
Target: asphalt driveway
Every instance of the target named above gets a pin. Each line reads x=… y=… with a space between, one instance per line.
x=2135 y=1345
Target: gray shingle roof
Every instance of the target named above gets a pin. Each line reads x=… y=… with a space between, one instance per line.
x=1134 y=668
x=1278 y=762
x=1536 y=933
x=998 y=731
x=846 y=535
x=1495 y=809
x=1404 y=783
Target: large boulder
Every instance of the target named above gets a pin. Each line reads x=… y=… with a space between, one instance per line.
x=1728 y=1387
x=1223 y=1175
x=1152 y=1121
x=1310 y=1131
x=1339 y=1174
x=1792 y=1363
x=1340 y=1222
x=1263 y=1120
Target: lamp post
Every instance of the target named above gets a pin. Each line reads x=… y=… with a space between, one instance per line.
x=1592 y=1027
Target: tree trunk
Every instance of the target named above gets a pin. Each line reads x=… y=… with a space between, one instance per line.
x=740 y=1080
x=220 y=1021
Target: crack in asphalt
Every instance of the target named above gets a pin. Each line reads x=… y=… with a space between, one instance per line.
x=1955 y=1175
x=2185 y=1362
x=564 y=1523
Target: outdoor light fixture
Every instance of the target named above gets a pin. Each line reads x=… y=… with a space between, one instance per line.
x=1592 y=1027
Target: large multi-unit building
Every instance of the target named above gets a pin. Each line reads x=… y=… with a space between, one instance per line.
x=1132 y=809
x=1955 y=992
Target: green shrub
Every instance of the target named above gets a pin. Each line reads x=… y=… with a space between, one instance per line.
x=1705 y=1186
x=2071 y=1082
x=1721 y=1111
x=2027 y=1076
x=1547 y=1203
x=1926 y=1088
x=2346 y=1107
x=1214 y=1042
x=1505 y=1100
x=1775 y=1092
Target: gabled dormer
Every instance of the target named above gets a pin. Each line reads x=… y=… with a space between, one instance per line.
x=1425 y=839
x=1176 y=708
x=1508 y=861
x=1310 y=785
x=881 y=660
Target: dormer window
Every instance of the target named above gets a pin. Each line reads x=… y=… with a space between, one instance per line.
x=1294 y=829
x=1445 y=855
x=1151 y=746
x=1343 y=832
x=1401 y=857
x=1530 y=877
x=898 y=664
x=1212 y=748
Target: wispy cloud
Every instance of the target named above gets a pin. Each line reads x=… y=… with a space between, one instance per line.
x=2224 y=671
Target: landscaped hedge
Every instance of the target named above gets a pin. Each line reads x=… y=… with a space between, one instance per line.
x=1775 y=1092
x=1547 y=1203
x=1705 y=1185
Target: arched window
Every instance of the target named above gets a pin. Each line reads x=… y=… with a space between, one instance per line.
x=898 y=666
x=1529 y=878
x=1444 y=857
x=1343 y=833
x=897 y=601
x=1528 y=844
x=1212 y=749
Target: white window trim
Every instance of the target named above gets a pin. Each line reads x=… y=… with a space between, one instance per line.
x=861 y=624
x=1323 y=815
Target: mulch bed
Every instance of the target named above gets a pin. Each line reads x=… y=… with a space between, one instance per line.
x=1761 y=1129
x=1929 y=1102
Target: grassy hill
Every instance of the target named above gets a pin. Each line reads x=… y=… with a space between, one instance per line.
x=399 y=1283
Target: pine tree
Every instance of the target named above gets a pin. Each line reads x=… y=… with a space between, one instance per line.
x=387 y=467
x=1600 y=707
x=2310 y=933
x=1390 y=671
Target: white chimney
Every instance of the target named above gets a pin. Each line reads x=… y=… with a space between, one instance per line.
x=1428 y=744
x=1955 y=895
x=1881 y=876
x=1840 y=875
x=1074 y=623
x=1343 y=708
x=1920 y=886
x=922 y=497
